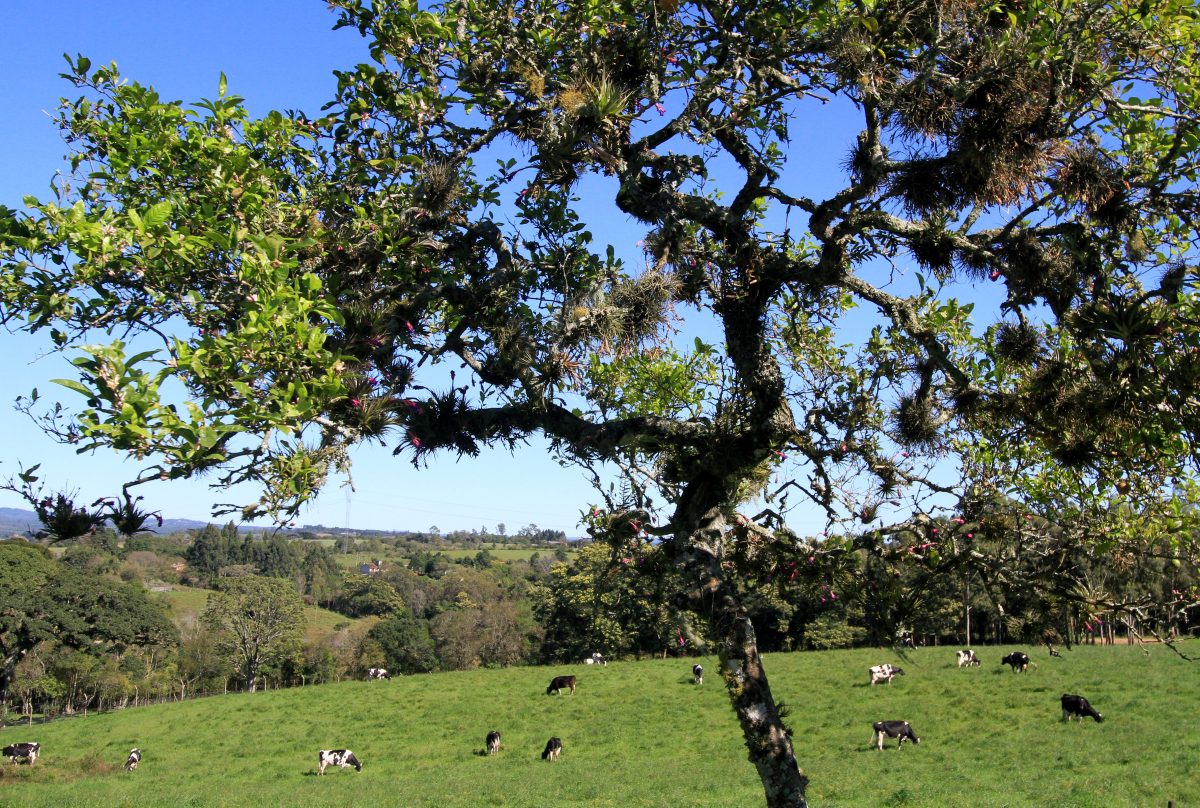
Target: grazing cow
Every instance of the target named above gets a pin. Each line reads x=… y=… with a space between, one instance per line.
x=966 y=658
x=599 y=659
x=884 y=673
x=559 y=683
x=698 y=674
x=1077 y=705
x=1017 y=661
x=893 y=729
x=493 y=742
x=552 y=750
x=342 y=758
x=29 y=751
x=378 y=673
x=135 y=757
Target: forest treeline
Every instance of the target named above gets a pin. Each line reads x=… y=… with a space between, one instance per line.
x=426 y=603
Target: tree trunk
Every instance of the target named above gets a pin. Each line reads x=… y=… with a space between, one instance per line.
x=767 y=738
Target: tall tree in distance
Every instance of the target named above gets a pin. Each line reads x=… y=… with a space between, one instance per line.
x=257 y=620
x=1003 y=272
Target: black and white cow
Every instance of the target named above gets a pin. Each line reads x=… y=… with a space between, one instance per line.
x=559 y=683
x=884 y=673
x=893 y=729
x=29 y=751
x=135 y=757
x=1017 y=661
x=552 y=750
x=596 y=659
x=966 y=658
x=1073 y=705
x=378 y=673
x=493 y=742
x=343 y=758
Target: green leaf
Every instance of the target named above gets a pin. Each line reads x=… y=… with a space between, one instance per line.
x=72 y=384
x=158 y=214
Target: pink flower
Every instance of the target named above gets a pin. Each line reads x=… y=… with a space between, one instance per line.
x=354 y=402
x=995 y=274
x=661 y=109
x=409 y=326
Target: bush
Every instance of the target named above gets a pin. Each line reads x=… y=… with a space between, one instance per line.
x=830 y=632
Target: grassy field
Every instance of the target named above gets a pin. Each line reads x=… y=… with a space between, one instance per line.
x=505 y=553
x=499 y=553
x=186 y=602
x=638 y=734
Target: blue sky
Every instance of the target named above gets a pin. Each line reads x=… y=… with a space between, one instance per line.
x=279 y=54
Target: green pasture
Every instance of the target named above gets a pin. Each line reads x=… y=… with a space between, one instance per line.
x=186 y=602
x=639 y=734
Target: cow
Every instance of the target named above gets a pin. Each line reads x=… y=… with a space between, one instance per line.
x=342 y=758
x=552 y=750
x=884 y=673
x=698 y=674
x=893 y=729
x=559 y=683
x=966 y=658
x=493 y=742
x=135 y=757
x=1073 y=705
x=1017 y=661
x=377 y=673
x=598 y=659
x=29 y=751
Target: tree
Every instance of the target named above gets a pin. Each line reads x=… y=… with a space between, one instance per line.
x=406 y=644
x=260 y=620
x=41 y=599
x=364 y=595
x=315 y=279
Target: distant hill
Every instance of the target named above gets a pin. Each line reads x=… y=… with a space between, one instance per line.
x=22 y=522
x=17 y=521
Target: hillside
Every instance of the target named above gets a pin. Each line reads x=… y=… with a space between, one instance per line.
x=185 y=603
x=638 y=734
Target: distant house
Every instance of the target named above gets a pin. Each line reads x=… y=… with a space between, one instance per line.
x=372 y=568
